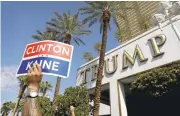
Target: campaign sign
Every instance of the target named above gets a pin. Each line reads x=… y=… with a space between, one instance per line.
x=53 y=57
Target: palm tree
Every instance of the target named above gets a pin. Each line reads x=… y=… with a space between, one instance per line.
x=22 y=85
x=44 y=87
x=143 y=19
x=88 y=56
x=102 y=11
x=121 y=35
x=70 y=29
x=144 y=22
x=6 y=108
x=97 y=47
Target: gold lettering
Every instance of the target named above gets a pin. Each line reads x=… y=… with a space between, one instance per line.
x=127 y=57
x=156 y=46
x=84 y=74
x=114 y=65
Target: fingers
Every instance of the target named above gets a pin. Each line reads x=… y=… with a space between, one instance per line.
x=35 y=68
x=28 y=74
x=39 y=68
x=31 y=70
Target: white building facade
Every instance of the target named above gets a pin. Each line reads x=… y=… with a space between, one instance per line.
x=149 y=50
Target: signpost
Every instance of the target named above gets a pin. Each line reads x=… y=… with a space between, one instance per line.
x=53 y=57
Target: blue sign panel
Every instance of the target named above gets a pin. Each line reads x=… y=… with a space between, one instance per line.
x=52 y=66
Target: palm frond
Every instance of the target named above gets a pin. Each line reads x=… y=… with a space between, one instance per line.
x=109 y=26
x=75 y=17
x=93 y=21
x=67 y=23
x=37 y=37
x=79 y=40
x=82 y=32
x=144 y=22
x=22 y=80
x=94 y=11
x=76 y=42
x=90 y=18
x=121 y=34
x=45 y=86
x=52 y=24
x=101 y=28
x=87 y=12
x=39 y=32
x=97 y=46
x=88 y=56
x=49 y=34
x=58 y=16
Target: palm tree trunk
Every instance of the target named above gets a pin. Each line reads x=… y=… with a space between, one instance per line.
x=67 y=41
x=21 y=92
x=56 y=93
x=100 y=69
x=15 y=107
x=44 y=92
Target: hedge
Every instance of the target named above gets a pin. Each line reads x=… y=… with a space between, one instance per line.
x=158 y=81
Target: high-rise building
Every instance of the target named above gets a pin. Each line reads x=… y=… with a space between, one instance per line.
x=134 y=18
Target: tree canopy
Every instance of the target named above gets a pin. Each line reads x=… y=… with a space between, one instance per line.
x=45 y=106
x=88 y=56
x=76 y=96
x=94 y=11
x=22 y=80
x=45 y=86
x=97 y=47
x=68 y=25
x=47 y=35
x=6 y=108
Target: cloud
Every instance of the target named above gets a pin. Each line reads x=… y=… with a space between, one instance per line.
x=8 y=78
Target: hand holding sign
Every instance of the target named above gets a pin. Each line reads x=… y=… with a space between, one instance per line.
x=34 y=78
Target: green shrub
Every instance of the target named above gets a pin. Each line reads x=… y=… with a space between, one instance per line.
x=76 y=96
x=158 y=81
x=45 y=106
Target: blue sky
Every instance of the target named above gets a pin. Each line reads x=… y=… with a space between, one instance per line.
x=19 y=21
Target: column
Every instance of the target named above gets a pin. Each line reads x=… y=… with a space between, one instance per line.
x=122 y=99
x=117 y=99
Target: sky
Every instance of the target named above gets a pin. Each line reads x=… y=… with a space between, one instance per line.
x=19 y=21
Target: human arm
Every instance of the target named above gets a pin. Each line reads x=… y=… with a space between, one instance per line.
x=72 y=110
x=31 y=106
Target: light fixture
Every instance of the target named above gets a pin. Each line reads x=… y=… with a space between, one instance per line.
x=169 y=9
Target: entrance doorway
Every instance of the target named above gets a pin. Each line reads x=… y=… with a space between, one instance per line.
x=143 y=104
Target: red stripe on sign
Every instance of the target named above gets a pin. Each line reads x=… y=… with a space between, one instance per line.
x=48 y=48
